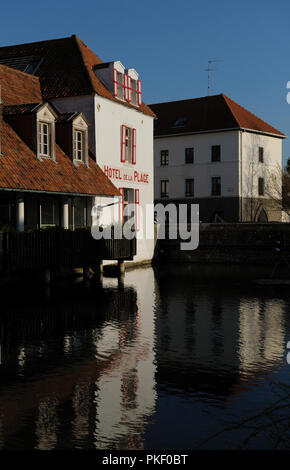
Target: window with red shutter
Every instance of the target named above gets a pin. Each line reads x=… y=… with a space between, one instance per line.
x=120 y=86
x=128 y=145
x=126 y=82
x=129 y=89
x=115 y=83
x=134 y=147
x=123 y=143
x=139 y=93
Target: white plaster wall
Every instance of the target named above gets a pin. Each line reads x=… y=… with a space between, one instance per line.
x=202 y=170
x=109 y=117
x=106 y=118
x=136 y=359
x=239 y=167
x=252 y=170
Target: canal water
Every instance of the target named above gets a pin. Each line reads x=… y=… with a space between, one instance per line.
x=167 y=358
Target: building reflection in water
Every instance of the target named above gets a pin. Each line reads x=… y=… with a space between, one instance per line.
x=87 y=367
x=77 y=367
x=213 y=335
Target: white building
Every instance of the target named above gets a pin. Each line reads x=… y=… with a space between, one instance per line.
x=73 y=78
x=213 y=152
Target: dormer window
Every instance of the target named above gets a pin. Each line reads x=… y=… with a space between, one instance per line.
x=80 y=139
x=127 y=86
x=134 y=88
x=45 y=131
x=121 y=85
x=44 y=139
x=180 y=122
x=134 y=91
x=79 y=145
x=72 y=136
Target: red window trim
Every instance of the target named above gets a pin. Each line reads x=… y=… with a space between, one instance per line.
x=134 y=146
x=116 y=83
x=127 y=87
x=137 y=213
x=139 y=92
x=123 y=143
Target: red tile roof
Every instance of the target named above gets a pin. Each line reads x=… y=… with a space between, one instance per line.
x=17 y=109
x=210 y=113
x=66 y=117
x=65 y=68
x=20 y=169
x=18 y=87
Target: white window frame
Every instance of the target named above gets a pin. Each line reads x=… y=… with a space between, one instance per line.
x=81 y=150
x=40 y=140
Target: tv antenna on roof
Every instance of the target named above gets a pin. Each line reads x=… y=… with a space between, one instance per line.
x=208 y=70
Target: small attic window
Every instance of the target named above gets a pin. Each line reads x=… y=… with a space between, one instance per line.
x=180 y=122
x=80 y=141
x=31 y=67
x=119 y=84
x=44 y=139
x=79 y=145
x=127 y=87
x=45 y=118
x=27 y=64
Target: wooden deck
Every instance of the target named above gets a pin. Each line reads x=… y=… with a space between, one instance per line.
x=51 y=249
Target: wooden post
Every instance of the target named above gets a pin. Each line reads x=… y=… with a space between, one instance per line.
x=47 y=276
x=20 y=214
x=121 y=280
x=121 y=266
x=86 y=272
x=65 y=213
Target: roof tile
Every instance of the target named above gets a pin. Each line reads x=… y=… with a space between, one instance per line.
x=20 y=169
x=66 y=69
x=210 y=113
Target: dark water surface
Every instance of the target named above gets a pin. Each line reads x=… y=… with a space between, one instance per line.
x=171 y=358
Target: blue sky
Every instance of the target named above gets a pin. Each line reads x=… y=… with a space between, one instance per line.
x=169 y=44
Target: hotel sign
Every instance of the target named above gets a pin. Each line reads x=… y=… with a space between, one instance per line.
x=126 y=175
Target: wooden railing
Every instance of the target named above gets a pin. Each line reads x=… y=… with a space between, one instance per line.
x=48 y=249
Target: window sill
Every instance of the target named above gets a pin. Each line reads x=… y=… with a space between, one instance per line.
x=80 y=162
x=129 y=164
x=46 y=157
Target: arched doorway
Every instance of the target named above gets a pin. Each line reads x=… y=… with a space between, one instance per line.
x=263 y=218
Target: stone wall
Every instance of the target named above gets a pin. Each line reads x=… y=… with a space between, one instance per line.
x=232 y=243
